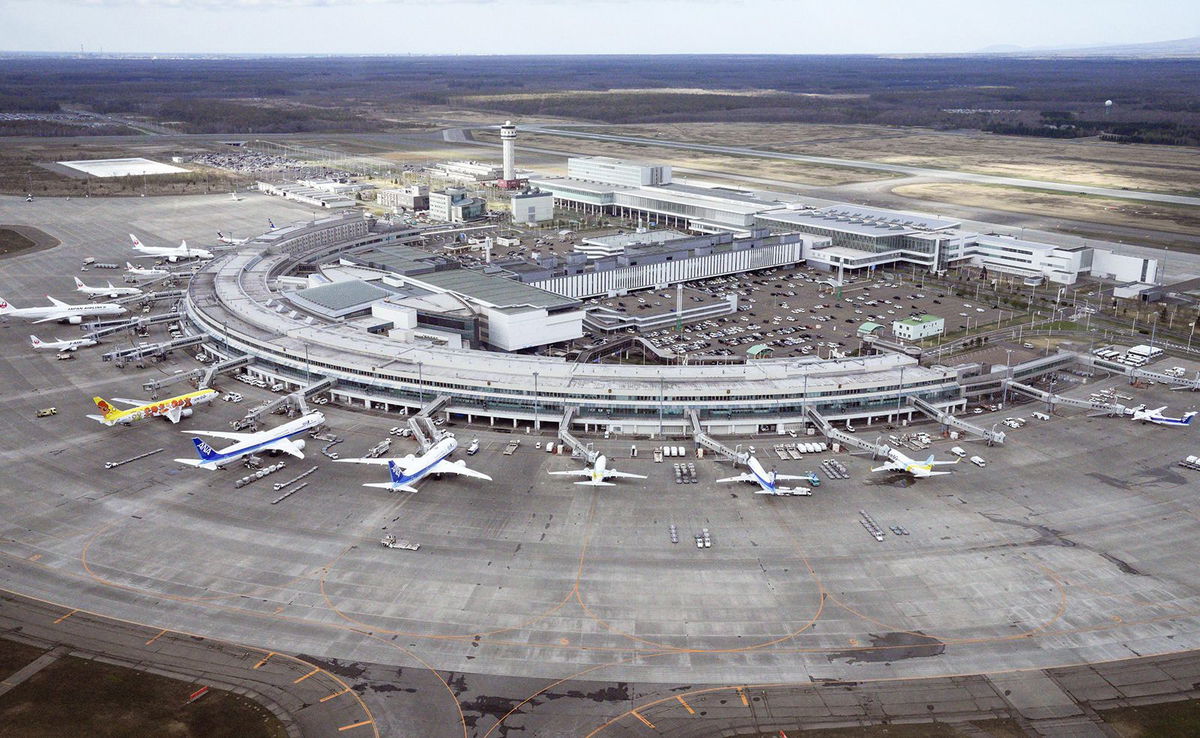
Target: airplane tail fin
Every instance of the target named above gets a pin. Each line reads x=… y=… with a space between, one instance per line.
x=136 y=243
x=5 y=308
x=394 y=472
x=109 y=411
x=128 y=267
x=929 y=461
x=35 y=341
x=79 y=283
x=1187 y=417
x=203 y=450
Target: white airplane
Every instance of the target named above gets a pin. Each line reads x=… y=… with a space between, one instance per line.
x=173 y=409
x=1155 y=416
x=231 y=240
x=146 y=271
x=171 y=253
x=898 y=462
x=768 y=482
x=61 y=344
x=405 y=471
x=597 y=475
x=108 y=291
x=59 y=310
x=278 y=440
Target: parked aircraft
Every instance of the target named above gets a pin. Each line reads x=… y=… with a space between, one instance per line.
x=62 y=344
x=231 y=240
x=597 y=475
x=1155 y=416
x=173 y=409
x=405 y=471
x=767 y=481
x=171 y=253
x=109 y=291
x=898 y=462
x=146 y=271
x=277 y=440
x=59 y=310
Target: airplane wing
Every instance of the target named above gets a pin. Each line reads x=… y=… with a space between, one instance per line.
x=945 y=463
x=175 y=413
x=57 y=303
x=789 y=476
x=1158 y=411
x=449 y=467
x=885 y=467
x=388 y=485
x=229 y=435
x=57 y=316
x=127 y=401
x=623 y=475
x=739 y=478
x=573 y=473
x=593 y=483
x=401 y=461
x=287 y=446
x=931 y=474
x=786 y=492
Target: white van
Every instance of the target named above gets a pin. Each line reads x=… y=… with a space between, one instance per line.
x=957 y=451
x=978 y=461
x=1041 y=416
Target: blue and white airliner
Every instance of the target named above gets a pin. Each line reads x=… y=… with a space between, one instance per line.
x=277 y=439
x=405 y=471
x=1156 y=416
x=768 y=482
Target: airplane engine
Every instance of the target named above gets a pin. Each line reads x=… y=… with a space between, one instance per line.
x=172 y=259
x=75 y=320
x=187 y=413
x=299 y=444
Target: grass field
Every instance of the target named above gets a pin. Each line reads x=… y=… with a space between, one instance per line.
x=1156 y=216
x=15 y=656
x=76 y=697
x=787 y=171
x=1166 y=720
x=1173 y=169
x=12 y=242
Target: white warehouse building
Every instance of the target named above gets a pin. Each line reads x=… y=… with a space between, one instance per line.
x=620 y=172
x=532 y=207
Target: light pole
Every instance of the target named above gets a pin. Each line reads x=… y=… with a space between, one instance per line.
x=899 y=393
x=420 y=383
x=1007 y=372
x=537 y=426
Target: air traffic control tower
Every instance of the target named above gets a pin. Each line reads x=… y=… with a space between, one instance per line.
x=508 y=141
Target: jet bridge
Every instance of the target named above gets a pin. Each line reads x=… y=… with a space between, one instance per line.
x=203 y=376
x=422 y=427
x=950 y=421
x=1111 y=408
x=148 y=297
x=1134 y=373
x=100 y=329
x=296 y=400
x=577 y=446
x=137 y=353
x=833 y=434
x=712 y=444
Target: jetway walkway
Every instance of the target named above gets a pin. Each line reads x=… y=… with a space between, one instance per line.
x=433 y=406
x=149 y=297
x=296 y=399
x=950 y=421
x=577 y=446
x=1112 y=408
x=712 y=444
x=833 y=434
x=422 y=426
x=204 y=377
x=1135 y=373
x=109 y=327
x=155 y=349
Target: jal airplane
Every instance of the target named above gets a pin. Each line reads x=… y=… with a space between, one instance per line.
x=598 y=474
x=1156 y=417
x=405 y=471
x=61 y=344
x=231 y=240
x=173 y=409
x=276 y=440
x=898 y=462
x=108 y=291
x=59 y=310
x=170 y=253
x=146 y=271
x=768 y=482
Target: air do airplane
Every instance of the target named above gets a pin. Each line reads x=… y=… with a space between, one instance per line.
x=898 y=462
x=598 y=474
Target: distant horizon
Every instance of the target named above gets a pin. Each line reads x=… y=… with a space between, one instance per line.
x=357 y=28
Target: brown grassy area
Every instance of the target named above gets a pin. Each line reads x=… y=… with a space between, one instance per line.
x=16 y=656
x=994 y=728
x=12 y=242
x=1165 y=720
x=1081 y=161
x=1156 y=216
x=786 y=171
x=75 y=697
x=20 y=172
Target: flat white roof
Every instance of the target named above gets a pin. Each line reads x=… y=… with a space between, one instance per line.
x=121 y=167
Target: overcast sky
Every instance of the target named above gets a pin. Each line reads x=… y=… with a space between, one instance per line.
x=585 y=26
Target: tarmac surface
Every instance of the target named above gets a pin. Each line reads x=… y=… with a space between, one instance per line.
x=1074 y=546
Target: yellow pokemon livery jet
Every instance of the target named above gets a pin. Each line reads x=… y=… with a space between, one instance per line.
x=172 y=408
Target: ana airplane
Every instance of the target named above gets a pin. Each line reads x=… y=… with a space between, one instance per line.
x=1156 y=416
x=231 y=240
x=59 y=310
x=146 y=271
x=173 y=409
x=108 y=291
x=277 y=440
x=898 y=462
x=61 y=344
x=405 y=471
x=768 y=482
x=597 y=475
x=171 y=253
